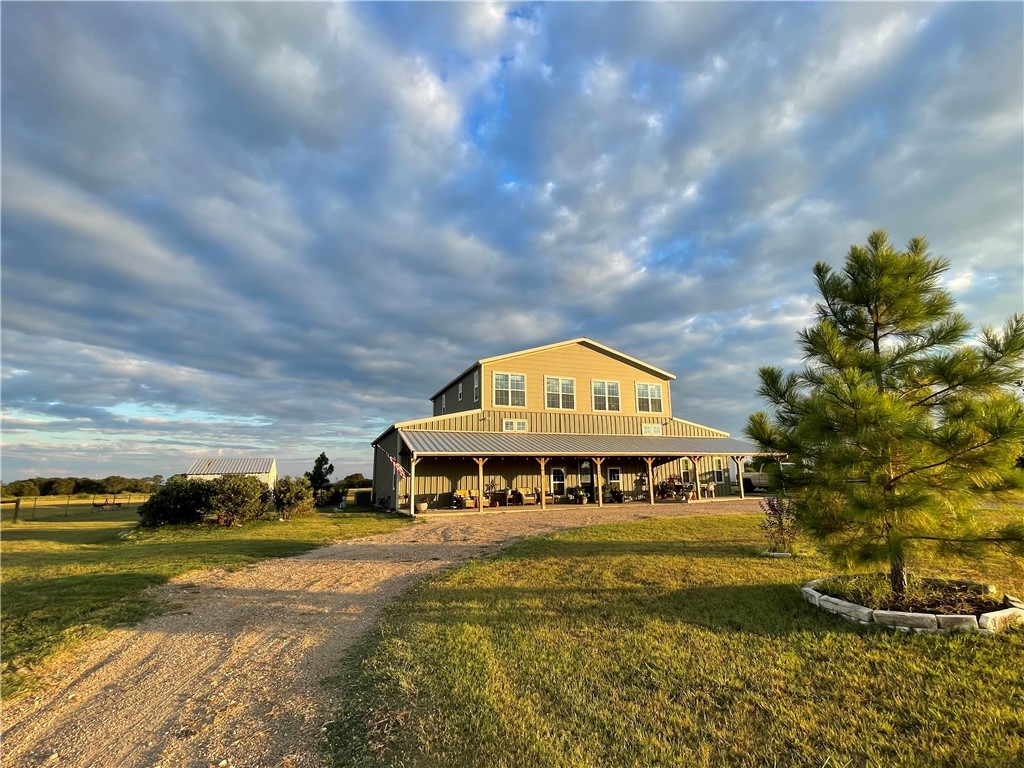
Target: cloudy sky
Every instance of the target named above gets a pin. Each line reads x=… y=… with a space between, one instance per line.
x=273 y=229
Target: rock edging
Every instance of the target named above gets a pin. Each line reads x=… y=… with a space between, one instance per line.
x=987 y=624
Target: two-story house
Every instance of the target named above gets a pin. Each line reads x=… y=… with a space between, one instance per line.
x=572 y=414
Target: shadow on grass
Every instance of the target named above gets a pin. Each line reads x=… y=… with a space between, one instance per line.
x=564 y=548
x=762 y=609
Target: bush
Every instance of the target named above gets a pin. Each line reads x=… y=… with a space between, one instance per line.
x=179 y=502
x=238 y=499
x=293 y=496
x=779 y=523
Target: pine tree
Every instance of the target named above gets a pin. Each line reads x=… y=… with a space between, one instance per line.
x=320 y=476
x=896 y=424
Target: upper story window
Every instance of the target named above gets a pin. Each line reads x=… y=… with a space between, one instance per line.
x=460 y=391
x=650 y=429
x=510 y=389
x=476 y=386
x=648 y=398
x=606 y=395
x=513 y=425
x=444 y=404
x=560 y=393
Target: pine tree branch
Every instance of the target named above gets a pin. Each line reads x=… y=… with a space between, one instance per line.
x=944 y=462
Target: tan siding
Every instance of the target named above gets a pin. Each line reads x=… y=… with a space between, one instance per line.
x=583 y=364
x=562 y=422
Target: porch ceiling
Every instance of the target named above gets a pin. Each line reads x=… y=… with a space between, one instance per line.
x=430 y=443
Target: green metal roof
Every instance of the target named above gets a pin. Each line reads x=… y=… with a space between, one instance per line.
x=431 y=443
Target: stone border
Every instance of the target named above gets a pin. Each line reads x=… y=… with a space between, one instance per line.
x=986 y=624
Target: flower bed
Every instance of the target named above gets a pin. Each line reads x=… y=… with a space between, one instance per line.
x=994 y=617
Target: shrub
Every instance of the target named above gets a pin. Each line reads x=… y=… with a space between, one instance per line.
x=779 y=523
x=293 y=496
x=179 y=502
x=236 y=499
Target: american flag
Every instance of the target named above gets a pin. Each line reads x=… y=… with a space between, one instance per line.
x=399 y=468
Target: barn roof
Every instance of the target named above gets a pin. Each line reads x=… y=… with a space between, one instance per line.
x=434 y=443
x=231 y=467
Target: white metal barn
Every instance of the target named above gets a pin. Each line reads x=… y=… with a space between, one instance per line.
x=264 y=470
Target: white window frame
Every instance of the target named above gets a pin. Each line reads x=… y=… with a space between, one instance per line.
x=476 y=386
x=719 y=471
x=444 y=403
x=460 y=391
x=514 y=425
x=561 y=393
x=494 y=389
x=649 y=398
x=563 y=481
x=616 y=479
x=606 y=395
x=650 y=429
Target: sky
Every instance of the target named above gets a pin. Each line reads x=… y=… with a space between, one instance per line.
x=276 y=229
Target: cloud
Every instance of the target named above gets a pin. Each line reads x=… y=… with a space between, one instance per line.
x=276 y=229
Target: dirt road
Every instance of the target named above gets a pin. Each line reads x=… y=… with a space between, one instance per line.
x=231 y=675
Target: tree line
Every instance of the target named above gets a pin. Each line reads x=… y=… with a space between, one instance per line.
x=65 y=486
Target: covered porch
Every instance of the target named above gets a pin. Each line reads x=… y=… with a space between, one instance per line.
x=479 y=469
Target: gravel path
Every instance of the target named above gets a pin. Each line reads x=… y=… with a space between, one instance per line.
x=231 y=675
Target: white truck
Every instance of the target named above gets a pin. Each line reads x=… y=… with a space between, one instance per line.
x=754 y=480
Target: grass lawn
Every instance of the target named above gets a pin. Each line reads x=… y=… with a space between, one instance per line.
x=670 y=643
x=68 y=579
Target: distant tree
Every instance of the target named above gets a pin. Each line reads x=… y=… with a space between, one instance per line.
x=21 y=488
x=320 y=476
x=293 y=496
x=356 y=480
x=116 y=484
x=62 y=486
x=896 y=425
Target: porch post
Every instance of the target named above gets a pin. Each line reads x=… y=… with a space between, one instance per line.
x=650 y=479
x=739 y=473
x=600 y=495
x=543 y=461
x=480 y=478
x=412 y=486
x=696 y=476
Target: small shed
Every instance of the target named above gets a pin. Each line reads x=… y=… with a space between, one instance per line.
x=264 y=470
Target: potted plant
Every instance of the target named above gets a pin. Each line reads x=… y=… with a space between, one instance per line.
x=577 y=495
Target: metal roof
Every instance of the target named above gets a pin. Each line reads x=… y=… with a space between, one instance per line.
x=231 y=467
x=431 y=443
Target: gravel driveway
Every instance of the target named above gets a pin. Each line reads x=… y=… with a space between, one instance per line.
x=231 y=675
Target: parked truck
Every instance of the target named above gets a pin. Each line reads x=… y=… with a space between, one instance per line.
x=760 y=480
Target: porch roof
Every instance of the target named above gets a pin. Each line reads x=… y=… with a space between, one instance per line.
x=432 y=443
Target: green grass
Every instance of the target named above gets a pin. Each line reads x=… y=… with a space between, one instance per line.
x=669 y=643
x=68 y=579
